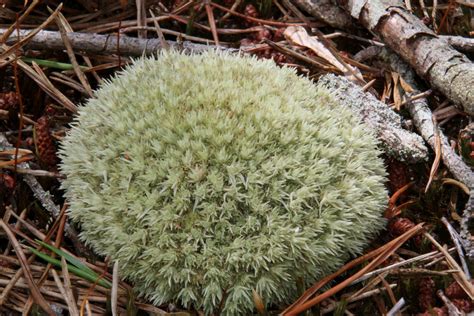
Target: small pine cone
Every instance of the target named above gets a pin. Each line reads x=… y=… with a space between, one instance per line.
x=263 y=34
x=50 y=110
x=176 y=3
x=464 y=305
x=6 y=264
x=397 y=175
x=466 y=144
x=426 y=293
x=455 y=291
x=399 y=226
x=44 y=142
x=344 y=54
x=252 y=12
x=8 y=100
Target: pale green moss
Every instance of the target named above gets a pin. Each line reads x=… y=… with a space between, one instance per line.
x=210 y=175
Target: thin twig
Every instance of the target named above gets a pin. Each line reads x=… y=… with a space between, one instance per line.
x=397 y=307
x=456 y=239
x=105 y=44
x=65 y=28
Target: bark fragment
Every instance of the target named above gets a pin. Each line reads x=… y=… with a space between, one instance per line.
x=396 y=141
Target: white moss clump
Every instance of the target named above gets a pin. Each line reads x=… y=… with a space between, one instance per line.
x=210 y=175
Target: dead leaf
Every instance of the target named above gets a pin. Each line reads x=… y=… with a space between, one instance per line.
x=397 y=98
x=297 y=35
x=406 y=86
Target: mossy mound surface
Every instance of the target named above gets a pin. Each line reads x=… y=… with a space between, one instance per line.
x=209 y=176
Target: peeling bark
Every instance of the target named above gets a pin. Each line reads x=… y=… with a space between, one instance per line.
x=447 y=70
x=396 y=141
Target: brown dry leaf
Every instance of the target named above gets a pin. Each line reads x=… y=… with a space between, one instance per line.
x=387 y=89
x=406 y=86
x=437 y=148
x=397 y=98
x=297 y=35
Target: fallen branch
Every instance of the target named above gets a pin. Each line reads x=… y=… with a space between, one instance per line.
x=422 y=118
x=396 y=141
x=92 y=43
x=446 y=69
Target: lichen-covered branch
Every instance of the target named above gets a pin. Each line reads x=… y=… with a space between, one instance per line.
x=100 y=44
x=446 y=69
x=422 y=118
x=431 y=57
x=396 y=141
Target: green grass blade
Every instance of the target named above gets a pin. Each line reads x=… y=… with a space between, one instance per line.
x=72 y=260
x=51 y=64
x=92 y=277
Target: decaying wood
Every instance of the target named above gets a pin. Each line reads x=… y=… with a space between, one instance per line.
x=386 y=124
x=446 y=69
x=100 y=44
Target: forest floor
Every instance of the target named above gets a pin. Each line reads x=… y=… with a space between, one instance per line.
x=53 y=55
